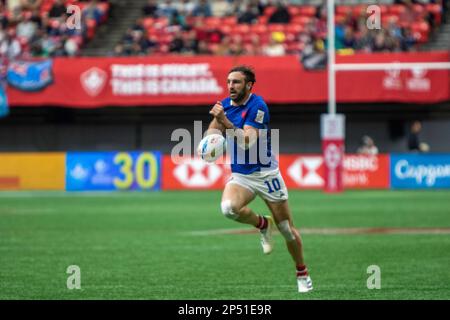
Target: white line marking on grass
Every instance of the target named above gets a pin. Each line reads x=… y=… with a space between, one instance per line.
x=332 y=231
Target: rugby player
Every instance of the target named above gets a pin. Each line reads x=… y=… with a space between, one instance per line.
x=247 y=116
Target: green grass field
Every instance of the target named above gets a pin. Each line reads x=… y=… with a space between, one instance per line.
x=157 y=246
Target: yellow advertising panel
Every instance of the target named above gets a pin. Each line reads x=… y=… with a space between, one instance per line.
x=32 y=171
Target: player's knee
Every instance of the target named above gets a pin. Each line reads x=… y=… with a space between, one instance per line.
x=229 y=210
x=286 y=230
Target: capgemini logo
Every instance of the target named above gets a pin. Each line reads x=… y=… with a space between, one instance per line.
x=427 y=174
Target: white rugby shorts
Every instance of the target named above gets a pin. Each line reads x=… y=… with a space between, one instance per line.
x=269 y=185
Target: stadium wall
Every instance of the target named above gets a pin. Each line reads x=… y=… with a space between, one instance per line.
x=105 y=130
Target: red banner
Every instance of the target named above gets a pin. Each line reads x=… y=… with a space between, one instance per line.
x=201 y=80
x=299 y=172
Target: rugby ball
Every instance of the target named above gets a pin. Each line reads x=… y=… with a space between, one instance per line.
x=211 y=147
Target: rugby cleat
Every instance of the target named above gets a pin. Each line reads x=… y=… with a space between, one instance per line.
x=266 y=236
x=304 y=284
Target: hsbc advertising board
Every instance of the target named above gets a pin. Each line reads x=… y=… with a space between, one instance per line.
x=359 y=171
x=299 y=172
x=193 y=173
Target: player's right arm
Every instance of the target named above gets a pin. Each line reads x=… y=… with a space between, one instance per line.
x=215 y=125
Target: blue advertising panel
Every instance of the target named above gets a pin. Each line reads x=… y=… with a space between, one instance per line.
x=113 y=171
x=420 y=171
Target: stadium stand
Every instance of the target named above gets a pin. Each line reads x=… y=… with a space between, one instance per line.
x=277 y=27
x=39 y=28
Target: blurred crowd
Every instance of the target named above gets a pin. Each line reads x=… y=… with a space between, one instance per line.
x=181 y=27
x=39 y=28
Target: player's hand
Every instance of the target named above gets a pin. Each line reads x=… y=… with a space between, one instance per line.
x=218 y=112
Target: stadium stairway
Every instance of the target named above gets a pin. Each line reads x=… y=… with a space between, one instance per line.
x=441 y=40
x=123 y=15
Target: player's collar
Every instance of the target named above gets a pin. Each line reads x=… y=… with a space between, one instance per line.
x=235 y=105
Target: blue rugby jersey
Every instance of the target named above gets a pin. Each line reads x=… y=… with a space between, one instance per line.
x=254 y=112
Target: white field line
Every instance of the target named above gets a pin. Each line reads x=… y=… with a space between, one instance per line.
x=332 y=231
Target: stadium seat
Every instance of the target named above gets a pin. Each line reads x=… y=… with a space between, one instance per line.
x=397 y=9
x=258 y=29
x=213 y=22
x=343 y=10
x=230 y=21
x=273 y=27
x=308 y=11
x=294 y=10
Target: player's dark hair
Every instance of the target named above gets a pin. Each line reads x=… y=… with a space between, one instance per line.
x=247 y=71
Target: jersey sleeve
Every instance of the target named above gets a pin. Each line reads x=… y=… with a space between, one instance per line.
x=258 y=116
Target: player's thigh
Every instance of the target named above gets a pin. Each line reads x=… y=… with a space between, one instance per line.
x=238 y=195
x=271 y=187
x=280 y=211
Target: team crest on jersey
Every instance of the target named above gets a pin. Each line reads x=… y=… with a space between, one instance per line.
x=259 y=116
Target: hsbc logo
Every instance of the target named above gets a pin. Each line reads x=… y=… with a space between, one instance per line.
x=196 y=173
x=305 y=171
x=93 y=81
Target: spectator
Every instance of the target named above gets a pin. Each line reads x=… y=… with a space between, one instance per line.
x=203 y=48
x=151 y=9
x=379 y=43
x=58 y=9
x=259 y=5
x=223 y=49
x=249 y=15
x=177 y=43
x=177 y=20
x=313 y=55
x=26 y=28
x=280 y=15
x=166 y=9
x=254 y=48
x=275 y=46
x=119 y=50
x=10 y=46
x=185 y=8
x=349 y=39
x=70 y=46
x=3 y=16
x=237 y=46
x=407 y=40
x=414 y=143
x=368 y=146
x=202 y=9
x=92 y=12
x=364 y=41
x=192 y=44
x=30 y=4
x=234 y=8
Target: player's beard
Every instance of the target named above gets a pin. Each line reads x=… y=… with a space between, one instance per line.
x=239 y=96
